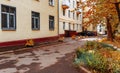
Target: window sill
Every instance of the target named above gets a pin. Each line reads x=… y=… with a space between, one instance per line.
x=35 y=29
x=51 y=29
x=52 y=5
x=5 y=29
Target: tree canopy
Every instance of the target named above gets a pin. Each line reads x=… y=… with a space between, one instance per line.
x=101 y=11
x=97 y=10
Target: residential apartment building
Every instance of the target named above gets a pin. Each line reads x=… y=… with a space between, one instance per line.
x=70 y=17
x=101 y=29
x=28 y=19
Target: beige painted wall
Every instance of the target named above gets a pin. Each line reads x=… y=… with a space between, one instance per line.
x=23 y=20
x=70 y=19
x=90 y=27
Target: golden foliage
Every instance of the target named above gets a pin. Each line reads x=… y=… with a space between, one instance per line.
x=61 y=39
x=29 y=43
x=98 y=10
x=73 y=37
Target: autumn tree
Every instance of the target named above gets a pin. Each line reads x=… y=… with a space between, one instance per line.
x=102 y=10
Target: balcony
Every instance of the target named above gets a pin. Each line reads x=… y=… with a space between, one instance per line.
x=65 y=4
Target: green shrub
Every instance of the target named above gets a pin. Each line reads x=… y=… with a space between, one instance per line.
x=91 y=56
x=80 y=51
x=92 y=45
x=97 y=45
x=98 y=63
x=92 y=60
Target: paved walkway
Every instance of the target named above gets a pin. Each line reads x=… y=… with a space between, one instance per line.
x=55 y=58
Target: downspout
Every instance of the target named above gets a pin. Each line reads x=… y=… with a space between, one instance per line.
x=58 y=18
x=82 y=21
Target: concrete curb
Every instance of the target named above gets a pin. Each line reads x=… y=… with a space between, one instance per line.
x=6 y=52
x=84 y=69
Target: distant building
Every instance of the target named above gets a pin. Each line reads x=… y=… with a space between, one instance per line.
x=118 y=28
x=100 y=29
x=70 y=17
x=90 y=28
x=28 y=19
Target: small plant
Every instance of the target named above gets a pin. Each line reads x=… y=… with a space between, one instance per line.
x=73 y=37
x=78 y=38
x=92 y=45
x=29 y=43
x=61 y=39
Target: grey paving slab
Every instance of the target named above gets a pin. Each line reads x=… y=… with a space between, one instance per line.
x=36 y=59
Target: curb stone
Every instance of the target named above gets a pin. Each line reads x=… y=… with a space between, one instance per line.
x=6 y=52
x=84 y=69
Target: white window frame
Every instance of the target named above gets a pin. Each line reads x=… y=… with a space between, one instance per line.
x=63 y=25
x=69 y=13
x=73 y=26
x=8 y=20
x=73 y=4
x=51 y=2
x=51 y=20
x=34 y=23
x=73 y=15
x=69 y=26
x=77 y=26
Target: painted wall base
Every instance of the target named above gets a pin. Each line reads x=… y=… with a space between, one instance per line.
x=22 y=42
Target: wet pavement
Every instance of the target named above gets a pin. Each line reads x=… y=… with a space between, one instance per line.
x=55 y=58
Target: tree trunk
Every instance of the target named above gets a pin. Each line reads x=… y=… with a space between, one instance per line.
x=118 y=10
x=109 y=30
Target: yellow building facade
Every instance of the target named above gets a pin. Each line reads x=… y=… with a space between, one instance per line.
x=70 y=17
x=28 y=19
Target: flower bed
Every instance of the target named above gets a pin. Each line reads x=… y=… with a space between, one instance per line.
x=98 y=58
